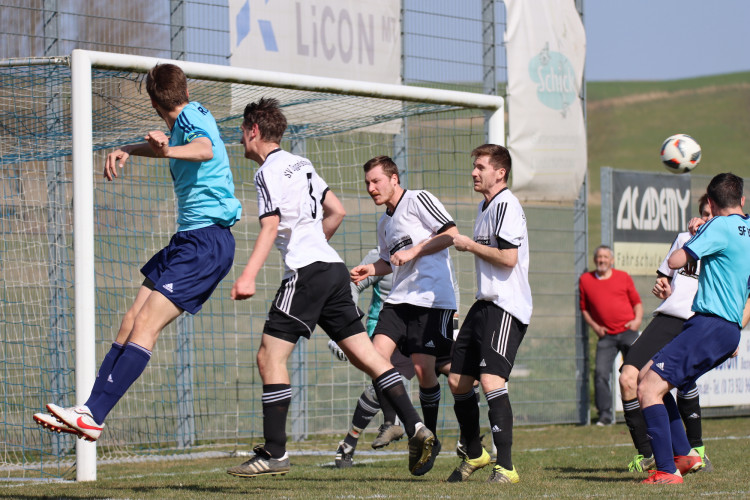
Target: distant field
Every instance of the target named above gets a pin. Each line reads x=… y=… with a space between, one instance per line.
x=562 y=461
x=628 y=121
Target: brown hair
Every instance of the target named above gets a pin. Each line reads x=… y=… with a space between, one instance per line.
x=499 y=157
x=166 y=84
x=386 y=163
x=267 y=114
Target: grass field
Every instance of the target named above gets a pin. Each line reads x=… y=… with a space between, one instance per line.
x=553 y=462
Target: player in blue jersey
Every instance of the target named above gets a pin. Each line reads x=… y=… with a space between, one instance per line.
x=181 y=276
x=677 y=289
x=708 y=338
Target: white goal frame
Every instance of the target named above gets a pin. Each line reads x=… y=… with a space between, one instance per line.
x=82 y=62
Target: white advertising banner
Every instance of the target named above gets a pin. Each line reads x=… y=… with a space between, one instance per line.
x=729 y=383
x=347 y=39
x=546 y=49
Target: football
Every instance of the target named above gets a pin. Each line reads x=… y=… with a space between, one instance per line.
x=680 y=153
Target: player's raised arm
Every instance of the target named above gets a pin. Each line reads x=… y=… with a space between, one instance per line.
x=117 y=158
x=506 y=257
x=362 y=271
x=244 y=287
x=427 y=247
x=198 y=150
x=333 y=214
x=679 y=259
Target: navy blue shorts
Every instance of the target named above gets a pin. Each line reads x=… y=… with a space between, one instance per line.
x=660 y=332
x=188 y=270
x=705 y=343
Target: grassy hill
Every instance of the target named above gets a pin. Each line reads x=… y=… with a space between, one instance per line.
x=627 y=122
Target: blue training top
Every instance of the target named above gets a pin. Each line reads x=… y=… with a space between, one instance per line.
x=723 y=247
x=205 y=190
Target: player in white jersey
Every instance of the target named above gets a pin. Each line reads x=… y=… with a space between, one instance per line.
x=677 y=289
x=300 y=214
x=413 y=236
x=488 y=340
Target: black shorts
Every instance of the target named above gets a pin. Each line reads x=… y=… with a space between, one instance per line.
x=318 y=293
x=660 y=332
x=416 y=329
x=403 y=365
x=487 y=341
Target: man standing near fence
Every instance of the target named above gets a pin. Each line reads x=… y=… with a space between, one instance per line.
x=182 y=276
x=489 y=338
x=299 y=214
x=611 y=306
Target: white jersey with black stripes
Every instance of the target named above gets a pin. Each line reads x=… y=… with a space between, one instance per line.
x=501 y=223
x=289 y=187
x=684 y=286
x=426 y=281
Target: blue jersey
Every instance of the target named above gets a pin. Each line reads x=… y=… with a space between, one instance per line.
x=205 y=190
x=723 y=247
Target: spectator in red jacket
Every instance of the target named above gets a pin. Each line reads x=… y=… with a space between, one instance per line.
x=612 y=308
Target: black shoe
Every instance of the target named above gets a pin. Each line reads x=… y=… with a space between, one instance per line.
x=261 y=465
x=344 y=456
x=421 y=457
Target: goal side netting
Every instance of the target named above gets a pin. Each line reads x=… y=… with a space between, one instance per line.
x=72 y=246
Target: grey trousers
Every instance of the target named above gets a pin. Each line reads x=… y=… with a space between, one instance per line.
x=606 y=351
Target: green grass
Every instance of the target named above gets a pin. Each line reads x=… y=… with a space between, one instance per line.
x=606 y=90
x=560 y=461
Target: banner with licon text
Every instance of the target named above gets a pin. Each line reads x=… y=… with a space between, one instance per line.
x=333 y=38
x=346 y=39
x=649 y=210
x=546 y=50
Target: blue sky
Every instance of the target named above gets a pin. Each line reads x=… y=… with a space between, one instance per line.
x=666 y=39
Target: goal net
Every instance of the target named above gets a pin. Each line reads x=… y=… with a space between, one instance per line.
x=201 y=391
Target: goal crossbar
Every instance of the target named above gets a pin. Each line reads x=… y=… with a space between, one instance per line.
x=82 y=62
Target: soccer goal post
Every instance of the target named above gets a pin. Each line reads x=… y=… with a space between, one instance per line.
x=200 y=388
x=83 y=167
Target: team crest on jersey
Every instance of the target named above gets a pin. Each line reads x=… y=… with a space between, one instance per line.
x=405 y=241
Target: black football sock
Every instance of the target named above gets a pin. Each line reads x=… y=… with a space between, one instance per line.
x=690 y=410
x=276 y=400
x=389 y=413
x=364 y=412
x=501 y=425
x=637 y=426
x=390 y=386
x=467 y=413
x=430 y=400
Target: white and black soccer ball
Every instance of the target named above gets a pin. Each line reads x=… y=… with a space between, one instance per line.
x=680 y=153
